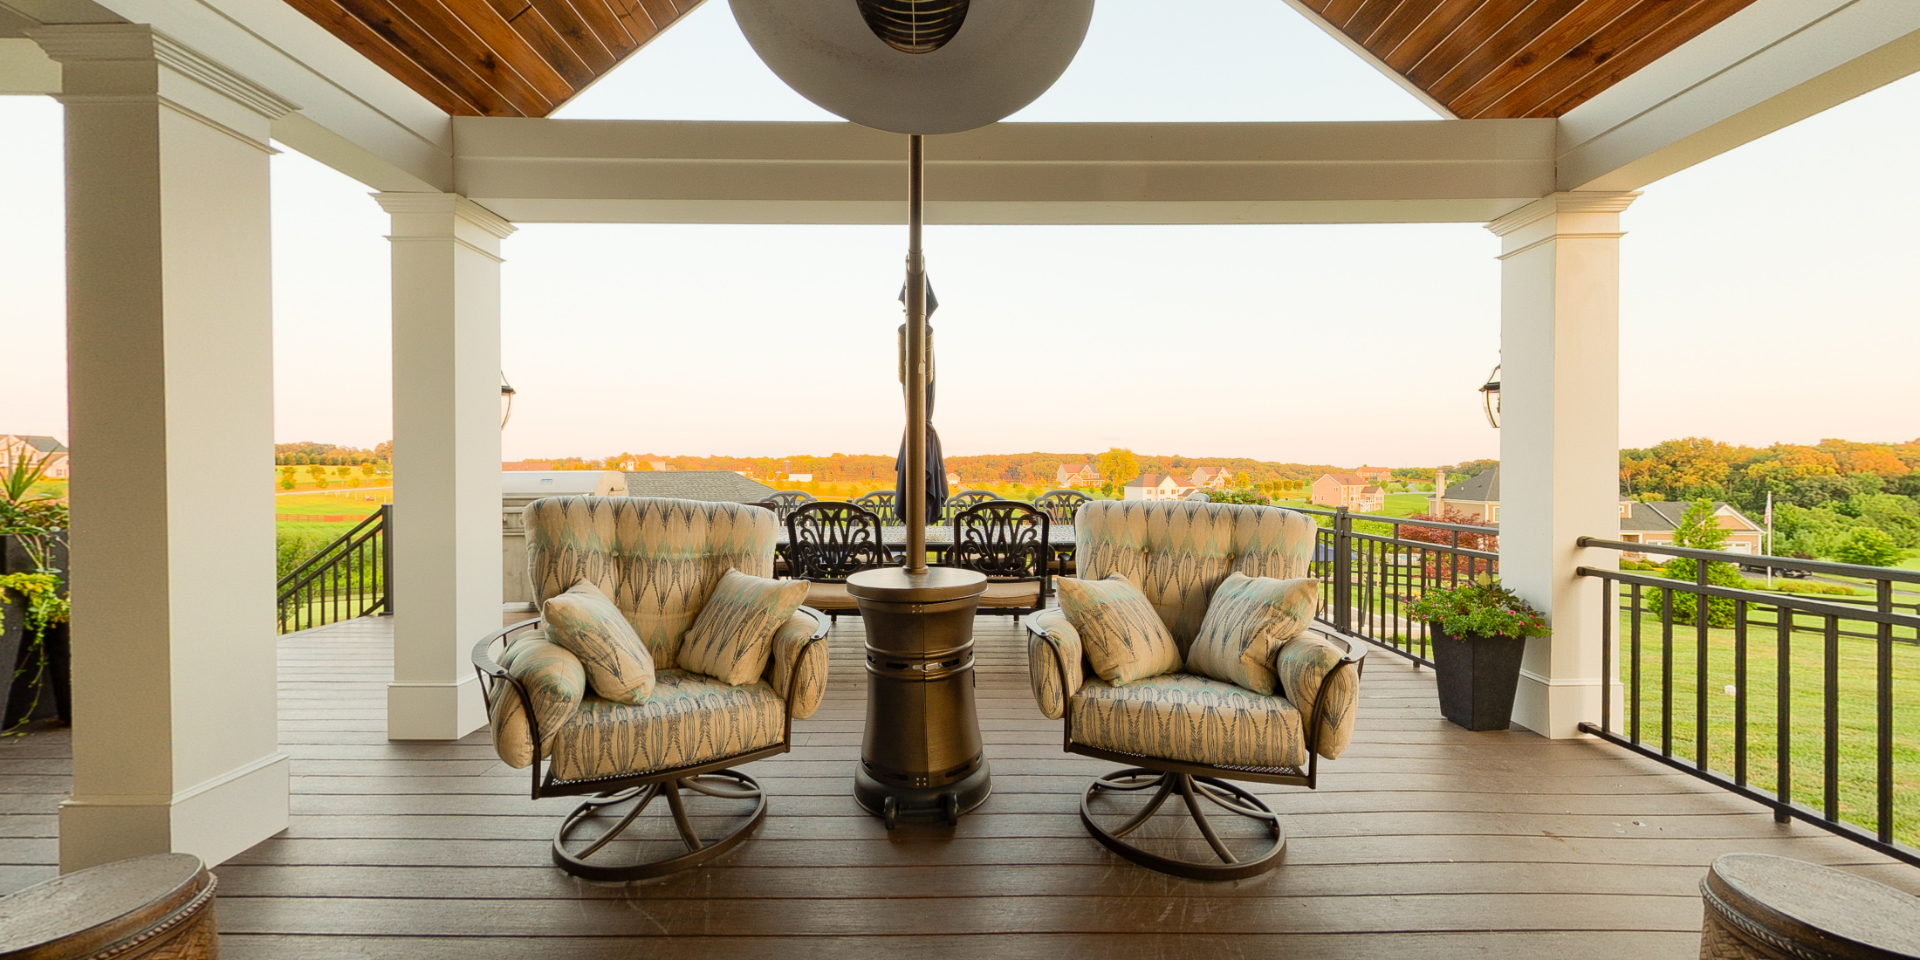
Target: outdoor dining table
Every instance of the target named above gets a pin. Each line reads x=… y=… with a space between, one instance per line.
x=939 y=538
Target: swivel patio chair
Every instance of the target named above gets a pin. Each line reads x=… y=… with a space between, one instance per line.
x=1007 y=541
x=659 y=562
x=1183 y=732
x=828 y=541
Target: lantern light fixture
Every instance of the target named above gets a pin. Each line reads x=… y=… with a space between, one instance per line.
x=506 y=400
x=1490 y=397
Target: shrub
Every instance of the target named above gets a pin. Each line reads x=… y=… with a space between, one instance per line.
x=292 y=549
x=1482 y=608
x=1238 y=496
x=1869 y=547
x=1685 y=606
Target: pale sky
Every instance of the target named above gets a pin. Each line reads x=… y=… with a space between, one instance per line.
x=1768 y=295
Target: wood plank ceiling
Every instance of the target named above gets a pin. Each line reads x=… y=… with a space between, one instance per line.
x=496 y=58
x=1519 y=58
x=1479 y=58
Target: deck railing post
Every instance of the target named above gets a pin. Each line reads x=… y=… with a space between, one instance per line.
x=1343 y=568
x=386 y=559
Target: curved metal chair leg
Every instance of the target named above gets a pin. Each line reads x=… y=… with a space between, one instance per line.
x=698 y=851
x=1192 y=790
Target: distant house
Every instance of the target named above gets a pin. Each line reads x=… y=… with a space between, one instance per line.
x=1212 y=478
x=1072 y=475
x=522 y=466
x=1349 y=490
x=1155 y=486
x=1650 y=523
x=660 y=465
x=953 y=479
x=1374 y=474
x=1477 y=496
x=799 y=478
x=34 y=448
x=718 y=486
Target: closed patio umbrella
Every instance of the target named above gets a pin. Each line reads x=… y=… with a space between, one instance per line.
x=936 y=464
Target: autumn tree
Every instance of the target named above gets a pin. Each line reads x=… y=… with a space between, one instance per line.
x=1118 y=465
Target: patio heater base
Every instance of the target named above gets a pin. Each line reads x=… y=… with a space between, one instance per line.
x=920 y=756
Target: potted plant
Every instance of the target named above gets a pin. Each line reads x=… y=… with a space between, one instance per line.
x=33 y=637
x=1479 y=633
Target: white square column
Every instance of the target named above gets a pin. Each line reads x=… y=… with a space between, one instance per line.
x=1560 y=439
x=170 y=366
x=446 y=458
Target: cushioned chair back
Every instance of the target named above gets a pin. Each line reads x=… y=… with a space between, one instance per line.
x=1178 y=551
x=658 y=558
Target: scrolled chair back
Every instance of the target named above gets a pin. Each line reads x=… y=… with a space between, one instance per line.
x=880 y=502
x=1060 y=505
x=827 y=541
x=785 y=502
x=1178 y=551
x=657 y=558
x=965 y=500
x=1004 y=539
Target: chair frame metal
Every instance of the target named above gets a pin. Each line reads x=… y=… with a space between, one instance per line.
x=1008 y=560
x=963 y=501
x=784 y=502
x=1055 y=503
x=643 y=788
x=860 y=543
x=1199 y=781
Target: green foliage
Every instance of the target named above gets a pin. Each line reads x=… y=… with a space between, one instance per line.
x=1826 y=589
x=293 y=548
x=1118 y=465
x=287 y=482
x=1238 y=496
x=1482 y=608
x=1700 y=530
x=1870 y=547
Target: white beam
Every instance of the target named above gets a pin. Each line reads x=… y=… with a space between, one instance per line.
x=530 y=170
x=1773 y=64
x=24 y=69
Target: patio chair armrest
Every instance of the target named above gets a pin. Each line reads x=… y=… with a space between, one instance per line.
x=1322 y=681
x=798 y=667
x=1054 y=660
x=529 y=696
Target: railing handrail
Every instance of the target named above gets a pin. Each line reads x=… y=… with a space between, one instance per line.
x=342 y=562
x=1488 y=530
x=328 y=554
x=1797 y=602
x=1860 y=571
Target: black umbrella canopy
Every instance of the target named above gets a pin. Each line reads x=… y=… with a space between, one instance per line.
x=936 y=464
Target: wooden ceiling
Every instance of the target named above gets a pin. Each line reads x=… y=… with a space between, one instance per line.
x=1519 y=58
x=496 y=58
x=1479 y=58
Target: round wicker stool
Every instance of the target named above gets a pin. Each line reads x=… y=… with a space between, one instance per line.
x=147 y=908
x=1779 y=909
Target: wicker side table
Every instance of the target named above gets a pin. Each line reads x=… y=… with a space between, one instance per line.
x=1771 y=908
x=147 y=908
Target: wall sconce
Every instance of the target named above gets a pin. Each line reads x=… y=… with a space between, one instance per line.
x=1490 y=397
x=506 y=400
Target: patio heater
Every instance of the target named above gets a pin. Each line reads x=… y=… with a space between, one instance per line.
x=1490 y=397
x=918 y=67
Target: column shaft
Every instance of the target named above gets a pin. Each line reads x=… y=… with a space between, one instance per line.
x=1560 y=438
x=446 y=443
x=170 y=406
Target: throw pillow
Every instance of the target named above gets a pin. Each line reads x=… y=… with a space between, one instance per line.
x=1124 y=638
x=1247 y=621
x=732 y=637
x=587 y=624
x=554 y=681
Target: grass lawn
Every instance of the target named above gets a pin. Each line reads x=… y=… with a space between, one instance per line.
x=1398 y=505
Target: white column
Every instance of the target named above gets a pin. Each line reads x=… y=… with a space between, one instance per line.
x=1560 y=438
x=446 y=458
x=170 y=405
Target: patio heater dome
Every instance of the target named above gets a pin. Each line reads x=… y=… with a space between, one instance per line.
x=917 y=66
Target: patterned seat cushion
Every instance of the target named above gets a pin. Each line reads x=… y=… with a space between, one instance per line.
x=553 y=679
x=733 y=636
x=1248 y=619
x=1189 y=718
x=589 y=626
x=1124 y=638
x=1304 y=666
x=689 y=719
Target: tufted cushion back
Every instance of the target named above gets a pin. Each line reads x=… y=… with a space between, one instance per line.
x=658 y=558
x=1178 y=551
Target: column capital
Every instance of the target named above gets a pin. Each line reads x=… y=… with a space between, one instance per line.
x=445 y=216
x=132 y=63
x=1592 y=215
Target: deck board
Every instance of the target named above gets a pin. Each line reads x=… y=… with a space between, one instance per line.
x=1424 y=838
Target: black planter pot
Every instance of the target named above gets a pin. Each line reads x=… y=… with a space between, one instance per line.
x=1477 y=677
x=13 y=610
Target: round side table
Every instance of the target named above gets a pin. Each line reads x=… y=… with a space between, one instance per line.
x=1774 y=908
x=146 y=908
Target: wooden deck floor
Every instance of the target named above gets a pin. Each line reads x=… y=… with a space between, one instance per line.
x=1424 y=840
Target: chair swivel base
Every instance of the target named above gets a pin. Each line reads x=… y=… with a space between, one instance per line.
x=895 y=802
x=1192 y=790
x=741 y=787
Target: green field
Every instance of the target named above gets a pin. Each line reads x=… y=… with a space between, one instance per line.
x=1398 y=505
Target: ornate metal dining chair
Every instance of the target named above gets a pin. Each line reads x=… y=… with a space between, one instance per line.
x=1008 y=541
x=828 y=541
x=785 y=502
x=1184 y=733
x=658 y=560
x=1060 y=506
x=963 y=501
x=880 y=502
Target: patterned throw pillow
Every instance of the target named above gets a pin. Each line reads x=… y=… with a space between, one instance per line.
x=590 y=627
x=555 y=682
x=1124 y=638
x=733 y=636
x=1247 y=620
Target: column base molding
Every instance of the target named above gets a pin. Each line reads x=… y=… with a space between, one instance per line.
x=435 y=711
x=213 y=821
x=1556 y=708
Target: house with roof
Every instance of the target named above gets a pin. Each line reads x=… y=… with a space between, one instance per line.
x=1155 y=486
x=1477 y=496
x=1212 y=478
x=1652 y=523
x=1349 y=490
x=716 y=486
x=34 y=448
x=1374 y=474
x=1072 y=475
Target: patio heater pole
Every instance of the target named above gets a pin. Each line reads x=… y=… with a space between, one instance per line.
x=916 y=492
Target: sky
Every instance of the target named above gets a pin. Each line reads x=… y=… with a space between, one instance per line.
x=1767 y=295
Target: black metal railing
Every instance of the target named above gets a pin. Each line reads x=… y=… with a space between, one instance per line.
x=1372 y=569
x=350 y=577
x=1803 y=702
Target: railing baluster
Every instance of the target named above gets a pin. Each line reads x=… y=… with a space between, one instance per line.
x=1611 y=613
x=1740 y=692
x=1883 y=704
x=1666 y=672
x=1831 y=720
x=1702 y=614
x=1783 y=715
x=1633 y=719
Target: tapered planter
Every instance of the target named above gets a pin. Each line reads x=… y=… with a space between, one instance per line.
x=1477 y=677
x=13 y=611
